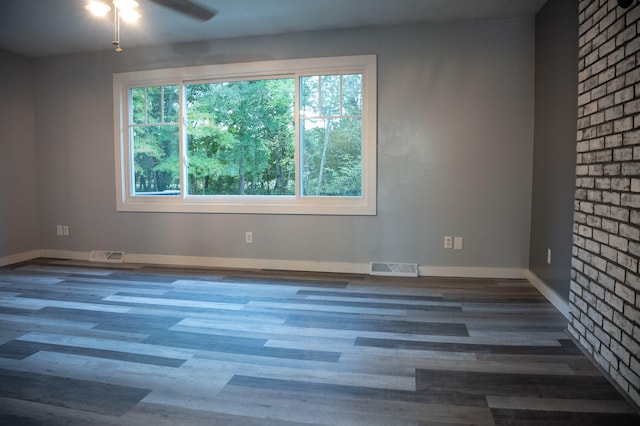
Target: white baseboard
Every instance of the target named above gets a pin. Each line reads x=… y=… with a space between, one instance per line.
x=19 y=257
x=471 y=272
x=245 y=263
x=549 y=293
x=65 y=254
x=290 y=265
x=222 y=262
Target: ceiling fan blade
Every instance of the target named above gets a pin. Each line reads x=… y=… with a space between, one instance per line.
x=189 y=8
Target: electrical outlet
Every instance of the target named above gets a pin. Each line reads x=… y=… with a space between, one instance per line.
x=65 y=230
x=457 y=243
x=59 y=230
x=549 y=256
x=248 y=237
x=448 y=242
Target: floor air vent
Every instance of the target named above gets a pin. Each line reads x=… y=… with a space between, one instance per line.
x=106 y=256
x=394 y=269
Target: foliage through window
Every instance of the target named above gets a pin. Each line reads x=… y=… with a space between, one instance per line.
x=275 y=137
x=331 y=134
x=155 y=129
x=240 y=137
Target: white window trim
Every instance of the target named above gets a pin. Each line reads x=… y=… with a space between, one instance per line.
x=268 y=204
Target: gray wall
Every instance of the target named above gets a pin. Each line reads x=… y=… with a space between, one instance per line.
x=554 y=153
x=455 y=147
x=19 y=232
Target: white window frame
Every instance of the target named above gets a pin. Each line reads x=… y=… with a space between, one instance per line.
x=267 y=204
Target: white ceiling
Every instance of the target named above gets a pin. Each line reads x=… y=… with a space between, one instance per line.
x=51 y=27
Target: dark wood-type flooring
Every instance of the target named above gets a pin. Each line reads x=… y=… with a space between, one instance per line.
x=90 y=344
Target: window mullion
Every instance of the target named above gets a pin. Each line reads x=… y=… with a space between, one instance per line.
x=128 y=134
x=162 y=105
x=182 y=144
x=341 y=98
x=146 y=106
x=297 y=131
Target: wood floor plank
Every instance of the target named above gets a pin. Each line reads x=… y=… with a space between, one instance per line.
x=159 y=414
x=83 y=395
x=32 y=320
x=559 y=404
x=20 y=349
x=406 y=297
x=366 y=324
x=172 y=302
x=337 y=308
x=325 y=376
x=467 y=347
x=107 y=342
x=577 y=363
x=162 y=381
x=465 y=367
x=518 y=384
x=554 y=418
x=36 y=304
x=234 y=344
x=344 y=406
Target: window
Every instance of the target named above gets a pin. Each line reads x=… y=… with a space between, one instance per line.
x=240 y=137
x=291 y=137
x=154 y=129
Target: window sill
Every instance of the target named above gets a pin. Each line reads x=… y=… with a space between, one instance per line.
x=251 y=205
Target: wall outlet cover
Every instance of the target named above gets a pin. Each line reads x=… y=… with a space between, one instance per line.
x=457 y=243
x=448 y=242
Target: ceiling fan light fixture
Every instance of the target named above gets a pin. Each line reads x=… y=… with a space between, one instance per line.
x=129 y=15
x=124 y=5
x=125 y=10
x=98 y=8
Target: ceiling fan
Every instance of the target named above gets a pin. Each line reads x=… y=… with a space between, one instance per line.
x=189 y=8
x=126 y=10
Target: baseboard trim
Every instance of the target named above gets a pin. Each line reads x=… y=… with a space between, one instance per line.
x=247 y=263
x=471 y=272
x=290 y=265
x=222 y=262
x=20 y=257
x=549 y=293
x=65 y=254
